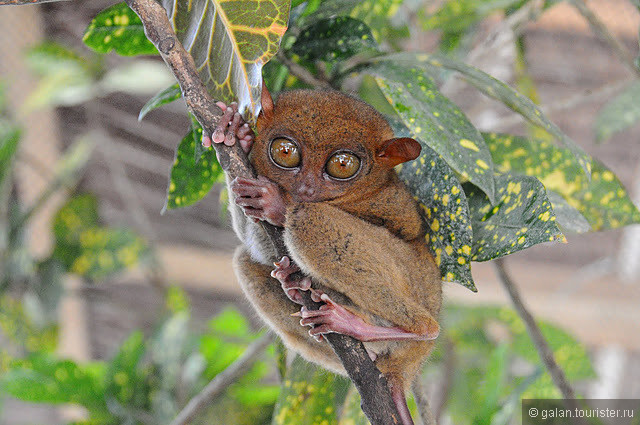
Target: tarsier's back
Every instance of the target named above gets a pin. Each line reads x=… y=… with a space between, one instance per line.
x=326 y=161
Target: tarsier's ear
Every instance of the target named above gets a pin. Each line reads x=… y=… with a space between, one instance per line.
x=398 y=150
x=266 y=102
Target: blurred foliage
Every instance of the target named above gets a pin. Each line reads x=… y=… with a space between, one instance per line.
x=151 y=378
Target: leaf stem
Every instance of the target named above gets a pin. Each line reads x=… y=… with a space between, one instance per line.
x=544 y=351
x=301 y=72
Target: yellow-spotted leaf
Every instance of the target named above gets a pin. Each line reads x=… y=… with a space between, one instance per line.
x=9 y=140
x=521 y=217
x=230 y=41
x=436 y=121
x=444 y=206
x=89 y=250
x=498 y=90
x=118 y=28
x=603 y=201
x=78 y=214
x=190 y=181
x=334 y=38
x=309 y=395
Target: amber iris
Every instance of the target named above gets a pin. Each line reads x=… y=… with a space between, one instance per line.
x=285 y=153
x=343 y=165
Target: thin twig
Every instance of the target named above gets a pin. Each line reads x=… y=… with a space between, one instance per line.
x=507 y=28
x=422 y=401
x=601 y=31
x=225 y=378
x=301 y=72
x=372 y=385
x=544 y=351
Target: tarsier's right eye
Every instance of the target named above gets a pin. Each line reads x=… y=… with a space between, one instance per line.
x=285 y=152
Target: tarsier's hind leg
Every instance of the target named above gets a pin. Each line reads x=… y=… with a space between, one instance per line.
x=270 y=301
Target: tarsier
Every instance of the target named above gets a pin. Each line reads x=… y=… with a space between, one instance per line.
x=325 y=163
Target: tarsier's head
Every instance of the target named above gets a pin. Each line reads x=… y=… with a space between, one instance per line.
x=325 y=145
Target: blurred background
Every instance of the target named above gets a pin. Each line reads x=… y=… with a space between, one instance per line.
x=589 y=287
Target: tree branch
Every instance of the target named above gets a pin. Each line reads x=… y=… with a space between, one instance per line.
x=601 y=30
x=225 y=378
x=377 y=403
x=544 y=351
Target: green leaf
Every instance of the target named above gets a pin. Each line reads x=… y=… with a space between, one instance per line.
x=230 y=41
x=167 y=95
x=377 y=14
x=619 y=113
x=230 y=323
x=309 y=394
x=569 y=218
x=90 y=250
x=141 y=76
x=602 y=200
x=493 y=383
x=334 y=38
x=177 y=300
x=190 y=182
x=44 y=379
x=18 y=327
x=104 y=252
x=444 y=205
x=9 y=140
x=125 y=379
x=497 y=90
x=521 y=217
x=67 y=78
x=50 y=58
x=79 y=213
x=436 y=121
x=458 y=15
x=118 y=28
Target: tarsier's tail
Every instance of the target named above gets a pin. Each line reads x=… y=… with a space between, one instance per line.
x=400 y=400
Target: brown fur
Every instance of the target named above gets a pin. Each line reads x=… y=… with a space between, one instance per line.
x=362 y=240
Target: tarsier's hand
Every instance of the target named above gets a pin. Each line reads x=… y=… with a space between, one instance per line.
x=292 y=287
x=260 y=199
x=230 y=128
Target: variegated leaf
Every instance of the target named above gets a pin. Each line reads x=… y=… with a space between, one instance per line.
x=230 y=41
x=603 y=201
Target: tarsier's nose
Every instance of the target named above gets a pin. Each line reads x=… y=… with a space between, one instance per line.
x=306 y=191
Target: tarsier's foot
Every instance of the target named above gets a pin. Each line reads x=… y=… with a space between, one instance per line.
x=332 y=317
x=260 y=199
x=230 y=128
x=292 y=287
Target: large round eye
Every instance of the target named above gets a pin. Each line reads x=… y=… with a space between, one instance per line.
x=343 y=165
x=285 y=153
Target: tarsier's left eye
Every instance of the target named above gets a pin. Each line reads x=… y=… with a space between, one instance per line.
x=285 y=153
x=343 y=165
